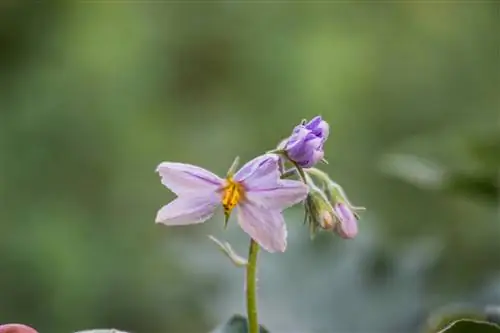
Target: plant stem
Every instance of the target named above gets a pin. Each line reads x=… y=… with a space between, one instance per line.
x=253 y=322
x=300 y=171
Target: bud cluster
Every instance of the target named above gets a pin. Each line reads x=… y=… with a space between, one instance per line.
x=326 y=206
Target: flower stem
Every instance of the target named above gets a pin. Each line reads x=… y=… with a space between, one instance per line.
x=300 y=171
x=253 y=322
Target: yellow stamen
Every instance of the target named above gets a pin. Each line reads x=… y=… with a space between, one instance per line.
x=232 y=193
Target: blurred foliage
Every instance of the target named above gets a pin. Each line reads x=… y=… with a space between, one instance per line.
x=441 y=320
x=237 y=324
x=465 y=326
x=94 y=95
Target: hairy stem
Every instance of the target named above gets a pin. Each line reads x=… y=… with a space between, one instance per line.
x=253 y=322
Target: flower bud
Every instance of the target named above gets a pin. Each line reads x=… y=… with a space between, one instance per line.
x=348 y=223
x=345 y=214
x=305 y=145
x=319 y=212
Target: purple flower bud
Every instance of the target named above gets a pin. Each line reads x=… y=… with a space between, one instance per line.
x=16 y=328
x=348 y=226
x=305 y=145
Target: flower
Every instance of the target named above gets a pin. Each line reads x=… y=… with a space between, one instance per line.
x=256 y=190
x=305 y=145
x=348 y=222
x=16 y=328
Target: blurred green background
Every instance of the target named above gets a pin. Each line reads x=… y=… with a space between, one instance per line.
x=94 y=95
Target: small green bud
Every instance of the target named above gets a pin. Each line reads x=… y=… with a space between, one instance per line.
x=319 y=211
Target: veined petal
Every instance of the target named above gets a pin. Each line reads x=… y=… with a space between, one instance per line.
x=260 y=172
x=287 y=193
x=186 y=178
x=266 y=227
x=188 y=210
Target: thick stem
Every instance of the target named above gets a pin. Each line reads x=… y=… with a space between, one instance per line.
x=253 y=322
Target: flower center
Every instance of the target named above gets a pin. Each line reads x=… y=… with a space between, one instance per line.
x=232 y=193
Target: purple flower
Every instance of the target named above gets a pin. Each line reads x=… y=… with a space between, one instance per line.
x=16 y=328
x=256 y=190
x=305 y=145
x=348 y=223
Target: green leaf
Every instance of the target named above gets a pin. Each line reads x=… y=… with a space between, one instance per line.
x=471 y=326
x=237 y=324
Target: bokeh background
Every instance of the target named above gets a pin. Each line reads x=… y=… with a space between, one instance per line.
x=93 y=95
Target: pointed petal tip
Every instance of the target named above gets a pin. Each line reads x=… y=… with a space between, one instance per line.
x=161 y=164
x=159 y=219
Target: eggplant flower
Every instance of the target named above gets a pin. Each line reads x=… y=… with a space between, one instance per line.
x=255 y=191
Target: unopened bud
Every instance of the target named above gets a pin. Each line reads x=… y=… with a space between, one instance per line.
x=319 y=211
x=327 y=221
x=348 y=223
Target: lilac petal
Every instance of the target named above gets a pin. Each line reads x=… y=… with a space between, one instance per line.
x=316 y=156
x=285 y=194
x=261 y=171
x=319 y=128
x=297 y=138
x=186 y=178
x=323 y=130
x=313 y=123
x=348 y=226
x=188 y=210
x=266 y=227
x=304 y=152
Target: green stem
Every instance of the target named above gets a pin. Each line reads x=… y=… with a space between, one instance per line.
x=253 y=322
x=300 y=171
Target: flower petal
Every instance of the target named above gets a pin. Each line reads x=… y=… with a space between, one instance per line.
x=285 y=194
x=297 y=138
x=186 y=178
x=348 y=226
x=319 y=127
x=266 y=227
x=316 y=156
x=260 y=172
x=323 y=131
x=188 y=210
